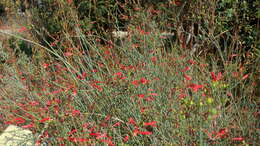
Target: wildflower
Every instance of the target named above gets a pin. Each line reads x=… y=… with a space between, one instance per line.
x=75 y=112
x=116 y=124
x=94 y=70
x=94 y=134
x=97 y=87
x=45 y=65
x=31 y=125
x=187 y=77
x=126 y=138
x=34 y=103
x=72 y=139
x=22 y=29
x=245 y=76
x=141 y=96
x=150 y=98
x=131 y=121
x=143 y=81
x=153 y=94
x=101 y=136
x=221 y=133
x=185 y=69
x=45 y=119
x=83 y=139
x=135 y=82
x=153 y=59
x=195 y=87
x=136 y=131
x=214 y=76
x=19 y=120
x=238 y=138
x=145 y=132
x=153 y=124
x=72 y=131
x=192 y=62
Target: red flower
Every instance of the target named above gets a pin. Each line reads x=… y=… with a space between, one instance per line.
x=72 y=131
x=214 y=78
x=153 y=124
x=132 y=121
x=145 y=132
x=22 y=29
x=45 y=119
x=126 y=138
x=143 y=81
x=83 y=139
x=187 y=77
x=221 y=133
x=185 y=69
x=245 y=76
x=238 y=138
x=141 y=96
x=94 y=134
x=195 y=87
x=75 y=112
x=45 y=65
x=153 y=94
x=116 y=124
x=19 y=120
x=153 y=59
x=28 y=126
x=135 y=82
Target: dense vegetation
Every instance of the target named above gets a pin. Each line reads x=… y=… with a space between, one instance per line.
x=65 y=77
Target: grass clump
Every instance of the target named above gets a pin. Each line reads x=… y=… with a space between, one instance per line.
x=80 y=88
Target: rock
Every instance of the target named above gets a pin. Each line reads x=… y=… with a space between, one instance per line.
x=16 y=136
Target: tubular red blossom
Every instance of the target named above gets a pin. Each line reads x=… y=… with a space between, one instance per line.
x=45 y=119
x=126 y=138
x=118 y=74
x=19 y=120
x=153 y=94
x=153 y=124
x=187 y=77
x=45 y=65
x=83 y=139
x=195 y=87
x=97 y=87
x=94 y=134
x=150 y=98
x=135 y=82
x=153 y=59
x=117 y=124
x=216 y=78
x=192 y=62
x=28 y=126
x=132 y=121
x=238 y=138
x=75 y=112
x=185 y=69
x=143 y=81
x=145 y=132
x=245 y=76
x=72 y=131
x=22 y=29
x=141 y=96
